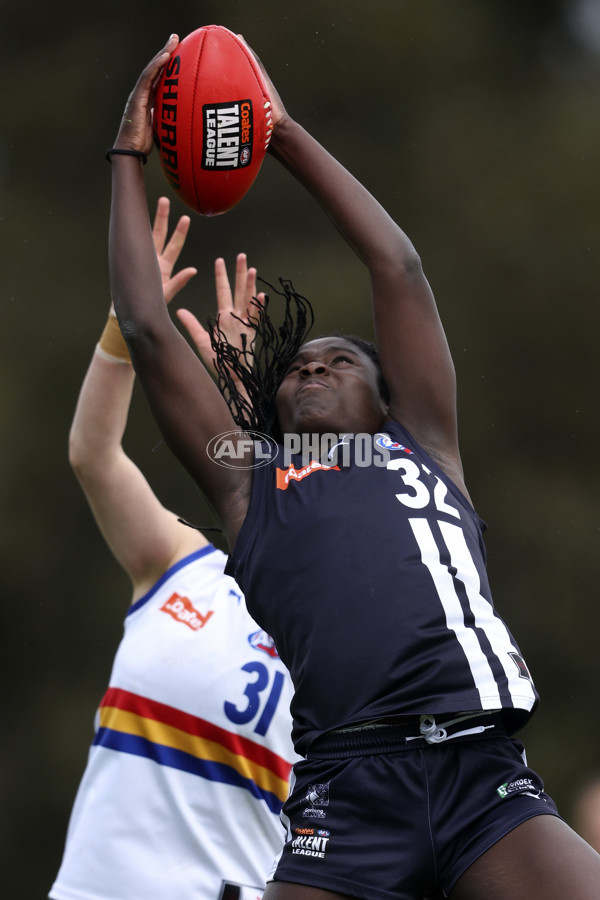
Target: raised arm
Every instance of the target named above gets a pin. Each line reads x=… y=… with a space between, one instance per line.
x=185 y=401
x=414 y=353
x=145 y=537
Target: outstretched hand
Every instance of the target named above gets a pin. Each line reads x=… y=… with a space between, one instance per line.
x=135 y=131
x=233 y=310
x=167 y=252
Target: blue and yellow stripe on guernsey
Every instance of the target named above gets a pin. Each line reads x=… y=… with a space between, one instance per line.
x=130 y=723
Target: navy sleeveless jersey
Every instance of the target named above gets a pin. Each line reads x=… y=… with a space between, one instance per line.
x=371 y=580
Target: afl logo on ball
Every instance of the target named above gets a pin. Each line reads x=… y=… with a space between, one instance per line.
x=227 y=132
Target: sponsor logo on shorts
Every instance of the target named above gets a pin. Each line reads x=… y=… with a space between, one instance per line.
x=318 y=794
x=312 y=813
x=227 y=134
x=181 y=609
x=520 y=786
x=312 y=845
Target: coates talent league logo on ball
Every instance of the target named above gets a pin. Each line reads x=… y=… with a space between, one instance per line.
x=227 y=134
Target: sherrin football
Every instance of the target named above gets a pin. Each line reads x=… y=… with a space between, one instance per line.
x=212 y=119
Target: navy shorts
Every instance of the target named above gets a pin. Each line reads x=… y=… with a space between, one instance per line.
x=397 y=820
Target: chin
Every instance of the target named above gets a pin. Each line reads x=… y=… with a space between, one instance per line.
x=311 y=416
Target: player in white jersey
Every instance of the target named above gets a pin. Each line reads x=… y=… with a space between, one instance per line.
x=192 y=751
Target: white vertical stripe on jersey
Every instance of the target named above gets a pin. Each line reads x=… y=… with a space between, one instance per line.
x=285 y=821
x=519 y=688
x=455 y=620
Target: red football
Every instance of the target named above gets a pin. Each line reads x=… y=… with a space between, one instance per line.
x=212 y=119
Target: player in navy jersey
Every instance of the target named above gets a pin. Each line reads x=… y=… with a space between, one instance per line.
x=365 y=560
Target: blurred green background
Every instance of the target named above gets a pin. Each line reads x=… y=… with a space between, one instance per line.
x=476 y=123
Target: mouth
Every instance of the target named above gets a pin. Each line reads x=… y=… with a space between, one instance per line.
x=312 y=385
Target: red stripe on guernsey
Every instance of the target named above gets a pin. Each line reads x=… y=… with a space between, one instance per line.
x=160 y=712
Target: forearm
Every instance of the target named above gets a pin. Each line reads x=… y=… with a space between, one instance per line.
x=135 y=278
x=373 y=235
x=100 y=417
x=186 y=404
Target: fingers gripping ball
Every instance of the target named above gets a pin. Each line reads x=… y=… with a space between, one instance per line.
x=212 y=120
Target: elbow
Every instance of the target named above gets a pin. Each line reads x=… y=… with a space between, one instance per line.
x=136 y=319
x=145 y=335
x=77 y=455
x=93 y=465
x=412 y=261
x=406 y=259
x=134 y=331
x=401 y=263
x=86 y=459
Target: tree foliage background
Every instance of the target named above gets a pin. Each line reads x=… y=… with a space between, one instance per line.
x=476 y=124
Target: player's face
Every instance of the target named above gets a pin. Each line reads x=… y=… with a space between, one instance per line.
x=331 y=386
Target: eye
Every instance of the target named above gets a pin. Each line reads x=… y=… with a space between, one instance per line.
x=293 y=368
x=342 y=358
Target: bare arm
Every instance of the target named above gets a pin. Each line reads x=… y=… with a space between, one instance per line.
x=184 y=399
x=414 y=353
x=145 y=537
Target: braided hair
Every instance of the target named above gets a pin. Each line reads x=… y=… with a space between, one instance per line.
x=260 y=365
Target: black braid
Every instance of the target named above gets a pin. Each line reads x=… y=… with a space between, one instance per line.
x=261 y=364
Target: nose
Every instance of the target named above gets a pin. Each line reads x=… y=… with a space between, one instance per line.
x=313 y=368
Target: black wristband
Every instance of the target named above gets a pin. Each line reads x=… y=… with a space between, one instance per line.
x=115 y=150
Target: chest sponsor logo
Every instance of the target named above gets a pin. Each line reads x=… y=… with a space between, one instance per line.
x=260 y=640
x=181 y=609
x=227 y=135
x=284 y=477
